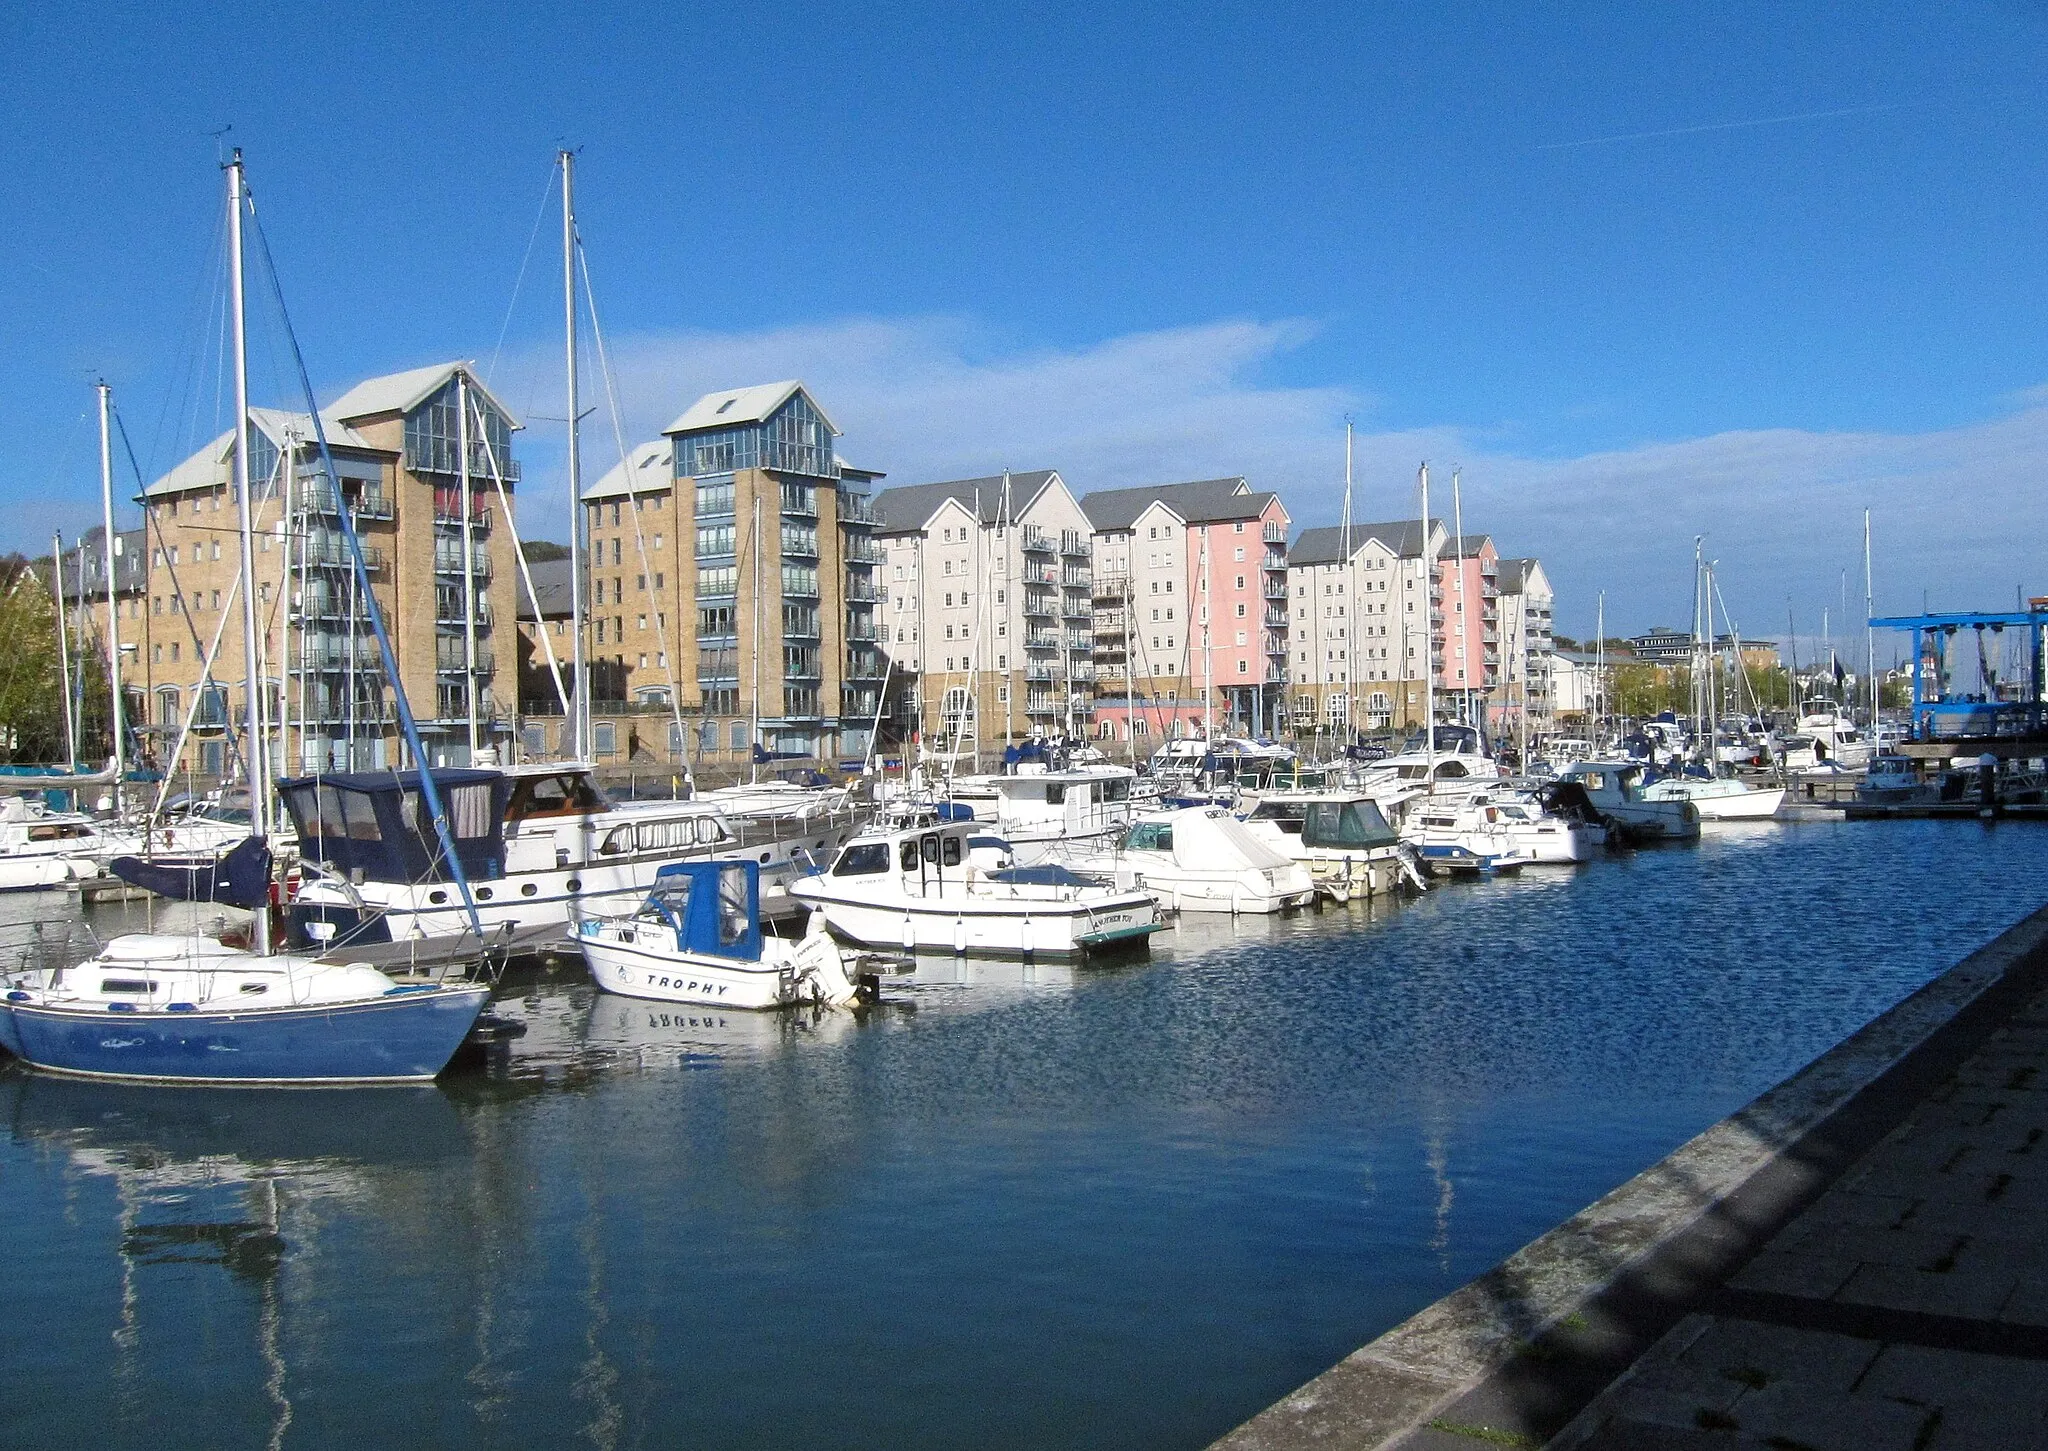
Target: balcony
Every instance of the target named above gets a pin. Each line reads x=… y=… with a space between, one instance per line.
x=860 y=549
x=1043 y=603
x=1276 y=589
x=802 y=664
x=1079 y=607
x=864 y=665
x=366 y=501
x=1044 y=702
x=1276 y=645
x=858 y=509
x=861 y=627
x=1040 y=670
x=799 y=542
x=1275 y=559
x=449 y=612
x=330 y=553
x=1039 y=571
x=1276 y=675
x=1275 y=533
x=799 y=502
x=1041 y=639
x=1276 y=619
x=448 y=662
x=800 y=627
x=1077 y=576
x=1074 y=543
x=444 y=456
x=1083 y=640
x=1083 y=670
x=449 y=561
x=450 y=515
x=860 y=589
x=1111 y=587
x=1035 y=540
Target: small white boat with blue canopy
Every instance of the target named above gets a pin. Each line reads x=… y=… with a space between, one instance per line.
x=918 y=888
x=697 y=938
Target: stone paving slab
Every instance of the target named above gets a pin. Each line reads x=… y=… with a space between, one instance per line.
x=1948 y=1287
x=1888 y=1197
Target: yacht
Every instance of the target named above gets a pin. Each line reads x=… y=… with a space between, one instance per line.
x=541 y=846
x=1465 y=836
x=1610 y=787
x=1836 y=740
x=697 y=938
x=1718 y=798
x=915 y=888
x=1202 y=859
x=1341 y=837
x=1038 y=813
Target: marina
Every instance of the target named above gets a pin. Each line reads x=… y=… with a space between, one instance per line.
x=1159 y=1193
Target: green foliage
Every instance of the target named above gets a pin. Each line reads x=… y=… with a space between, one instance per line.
x=31 y=689
x=542 y=551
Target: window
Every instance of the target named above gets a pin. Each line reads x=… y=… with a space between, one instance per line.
x=863 y=859
x=1240 y=611
x=606 y=733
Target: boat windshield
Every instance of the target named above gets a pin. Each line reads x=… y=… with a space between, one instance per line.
x=1149 y=836
x=862 y=859
x=732 y=904
x=567 y=794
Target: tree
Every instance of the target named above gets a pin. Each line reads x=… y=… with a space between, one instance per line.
x=543 y=551
x=31 y=685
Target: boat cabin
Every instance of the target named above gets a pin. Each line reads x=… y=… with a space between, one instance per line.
x=375 y=826
x=714 y=907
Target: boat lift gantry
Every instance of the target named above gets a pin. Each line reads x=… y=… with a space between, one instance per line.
x=2007 y=715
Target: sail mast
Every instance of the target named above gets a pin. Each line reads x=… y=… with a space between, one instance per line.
x=113 y=612
x=579 y=534
x=1464 y=645
x=469 y=671
x=64 y=650
x=1869 y=638
x=1428 y=633
x=258 y=746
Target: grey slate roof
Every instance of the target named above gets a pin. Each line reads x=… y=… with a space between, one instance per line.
x=131 y=565
x=1203 y=501
x=551 y=584
x=1402 y=537
x=907 y=510
x=729 y=406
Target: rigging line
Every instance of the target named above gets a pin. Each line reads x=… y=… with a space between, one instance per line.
x=430 y=791
x=547 y=194
x=525 y=570
x=611 y=395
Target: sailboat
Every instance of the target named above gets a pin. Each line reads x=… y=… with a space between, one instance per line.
x=188 y=1009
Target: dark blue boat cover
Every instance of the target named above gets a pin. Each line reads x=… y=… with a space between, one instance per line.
x=238 y=878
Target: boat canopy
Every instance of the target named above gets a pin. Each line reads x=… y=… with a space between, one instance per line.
x=1346 y=826
x=377 y=822
x=714 y=907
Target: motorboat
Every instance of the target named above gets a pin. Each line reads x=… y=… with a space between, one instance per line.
x=1719 y=798
x=1836 y=739
x=41 y=848
x=697 y=938
x=189 y=1009
x=1549 y=832
x=1611 y=788
x=1040 y=813
x=1342 y=837
x=541 y=845
x=1203 y=859
x=915 y=888
x=1461 y=837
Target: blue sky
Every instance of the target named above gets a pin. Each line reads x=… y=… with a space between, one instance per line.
x=1135 y=243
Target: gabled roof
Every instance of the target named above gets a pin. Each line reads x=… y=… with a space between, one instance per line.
x=1204 y=501
x=649 y=465
x=1516 y=575
x=1400 y=537
x=1474 y=546
x=131 y=572
x=403 y=392
x=907 y=510
x=202 y=470
x=731 y=406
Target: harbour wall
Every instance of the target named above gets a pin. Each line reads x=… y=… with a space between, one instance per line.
x=1532 y=1340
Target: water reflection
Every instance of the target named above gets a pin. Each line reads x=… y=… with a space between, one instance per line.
x=1104 y=1206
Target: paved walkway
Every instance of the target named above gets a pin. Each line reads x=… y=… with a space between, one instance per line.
x=1906 y=1309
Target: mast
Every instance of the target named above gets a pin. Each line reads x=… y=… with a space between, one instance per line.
x=1350 y=586
x=1458 y=556
x=1005 y=522
x=107 y=555
x=468 y=566
x=1869 y=638
x=252 y=688
x=1428 y=635
x=754 y=664
x=1208 y=655
x=64 y=650
x=1130 y=649
x=579 y=533
x=1599 y=665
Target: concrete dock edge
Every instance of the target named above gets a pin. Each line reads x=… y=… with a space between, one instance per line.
x=1515 y=1352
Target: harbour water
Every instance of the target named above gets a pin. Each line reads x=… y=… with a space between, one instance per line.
x=1105 y=1207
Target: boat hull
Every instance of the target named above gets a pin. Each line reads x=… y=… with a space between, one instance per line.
x=969 y=927
x=1748 y=806
x=404 y=1037
x=667 y=977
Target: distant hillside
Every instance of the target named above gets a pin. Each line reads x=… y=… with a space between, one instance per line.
x=540 y=551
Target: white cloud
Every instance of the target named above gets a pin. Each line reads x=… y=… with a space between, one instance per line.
x=1957 y=513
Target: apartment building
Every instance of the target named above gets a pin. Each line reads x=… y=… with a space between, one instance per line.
x=78 y=584
x=1191 y=619
x=1469 y=570
x=436 y=558
x=1525 y=684
x=732 y=578
x=987 y=607
x=1360 y=624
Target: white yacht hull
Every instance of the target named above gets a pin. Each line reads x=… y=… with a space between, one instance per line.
x=998 y=927
x=623 y=964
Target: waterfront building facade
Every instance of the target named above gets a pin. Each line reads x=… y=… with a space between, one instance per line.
x=437 y=565
x=732 y=584
x=1191 y=618
x=1527 y=651
x=1363 y=626
x=987 y=608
